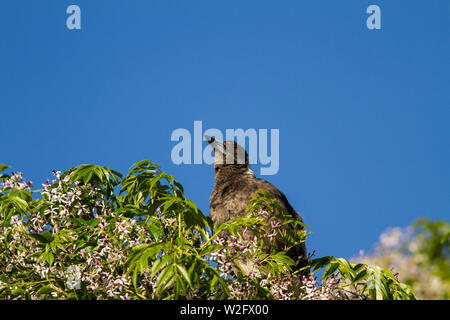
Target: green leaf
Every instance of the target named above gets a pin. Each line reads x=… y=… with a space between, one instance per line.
x=48 y=257
x=360 y=276
x=20 y=204
x=159 y=264
x=319 y=263
x=170 y=203
x=44 y=290
x=3 y=167
x=81 y=222
x=155 y=231
x=165 y=277
x=18 y=291
x=329 y=271
x=184 y=274
x=210 y=249
x=43 y=237
x=191 y=204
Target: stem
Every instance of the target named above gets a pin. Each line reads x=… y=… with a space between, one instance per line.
x=179 y=224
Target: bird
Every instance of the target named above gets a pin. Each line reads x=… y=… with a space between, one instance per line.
x=235 y=184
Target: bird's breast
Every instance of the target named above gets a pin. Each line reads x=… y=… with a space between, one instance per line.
x=229 y=200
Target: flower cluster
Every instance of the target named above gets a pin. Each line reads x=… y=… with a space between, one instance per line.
x=328 y=289
x=251 y=278
x=91 y=235
x=16 y=181
x=79 y=229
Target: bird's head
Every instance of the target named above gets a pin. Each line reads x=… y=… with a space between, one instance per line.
x=229 y=156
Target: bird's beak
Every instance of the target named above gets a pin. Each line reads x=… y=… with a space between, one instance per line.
x=215 y=144
x=210 y=139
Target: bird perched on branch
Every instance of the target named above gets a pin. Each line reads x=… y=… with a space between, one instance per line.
x=234 y=186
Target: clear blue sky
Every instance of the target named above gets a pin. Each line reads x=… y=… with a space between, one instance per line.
x=364 y=116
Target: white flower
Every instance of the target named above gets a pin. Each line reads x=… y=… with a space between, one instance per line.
x=15 y=220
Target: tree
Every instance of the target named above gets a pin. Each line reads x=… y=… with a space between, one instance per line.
x=420 y=254
x=92 y=233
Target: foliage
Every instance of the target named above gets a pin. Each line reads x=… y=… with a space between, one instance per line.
x=92 y=233
x=419 y=254
x=367 y=281
x=433 y=243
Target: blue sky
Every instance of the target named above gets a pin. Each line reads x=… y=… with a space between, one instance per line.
x=363 y=114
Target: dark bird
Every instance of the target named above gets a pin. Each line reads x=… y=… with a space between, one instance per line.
x=234 y=186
